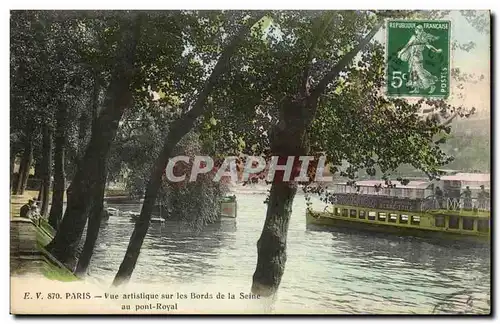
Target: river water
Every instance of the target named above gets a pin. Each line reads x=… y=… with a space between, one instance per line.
x=326 y=272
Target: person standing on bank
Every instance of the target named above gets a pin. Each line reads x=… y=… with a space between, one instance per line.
x=483 y=198
x=467 y=198
x=438 y=193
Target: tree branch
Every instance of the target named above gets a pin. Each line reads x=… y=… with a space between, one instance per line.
x=305 y=76
x=328 y=78
x=221 y=66
x=449 y=120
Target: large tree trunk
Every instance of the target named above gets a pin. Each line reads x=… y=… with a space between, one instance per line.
x=288 y=138
x=19 y=177
x=58 y=187
x=88 y=178
x=25 y=164
x=95 y=98
x=47 y=168
x=84 y=125
x=93 y=227
x=95 y=218
x=38 y=166
x=40 y=191
x=271 y=246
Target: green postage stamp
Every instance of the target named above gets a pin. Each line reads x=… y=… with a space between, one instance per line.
x=418 y=58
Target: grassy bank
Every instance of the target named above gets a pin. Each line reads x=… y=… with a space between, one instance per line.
x=39 y=260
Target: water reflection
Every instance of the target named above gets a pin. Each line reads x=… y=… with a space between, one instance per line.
x=410 y=271
x=176 y=250
x=326 y=271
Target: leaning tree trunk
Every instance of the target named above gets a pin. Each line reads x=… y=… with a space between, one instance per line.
x=179 y=128
x=25 y=164
x=87 y=179
x=80 y=198
x=142 y=225
x=271 y=246
x=93 y=227
x=47 y=169
x=95 y=98
x=83 y=129
x=56 y=210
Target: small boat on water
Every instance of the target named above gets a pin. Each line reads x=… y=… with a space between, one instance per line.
x=228 y=208
x=412 y=209
x=228 y=211
x=108 y=211
x=112 y=210
x=134 y=216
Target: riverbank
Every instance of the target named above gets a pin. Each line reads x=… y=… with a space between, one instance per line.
x=17 y=201
x=27 y=241
x=327 y=271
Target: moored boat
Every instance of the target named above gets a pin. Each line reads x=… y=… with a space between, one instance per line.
x=228 y=211
x=228 y=208
x=134 y=216
x=410 y=210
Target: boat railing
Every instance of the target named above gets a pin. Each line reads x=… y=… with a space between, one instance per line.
x=455 y=203
x=410 y=204
x=377 y=202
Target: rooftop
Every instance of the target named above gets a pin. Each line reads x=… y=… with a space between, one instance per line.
x=473 y=177
x=410 y=185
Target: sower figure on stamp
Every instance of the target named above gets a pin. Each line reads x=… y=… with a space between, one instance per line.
x=412 y=52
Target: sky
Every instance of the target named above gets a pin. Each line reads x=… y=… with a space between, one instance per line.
x=475 y=61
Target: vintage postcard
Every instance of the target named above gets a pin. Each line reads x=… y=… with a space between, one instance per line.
x=250 y=162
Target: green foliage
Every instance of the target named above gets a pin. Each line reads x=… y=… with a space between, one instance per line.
x=353 y=122
x=354 y=125
x=66 y=58
x=178 y=197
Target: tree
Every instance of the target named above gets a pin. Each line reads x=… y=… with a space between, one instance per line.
x=296 y=83
x=46 y=78
x=312 y=85
x=152 y=56
x=27 y=67
x=91 y=172
x=178 y=197
x=47 y=168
